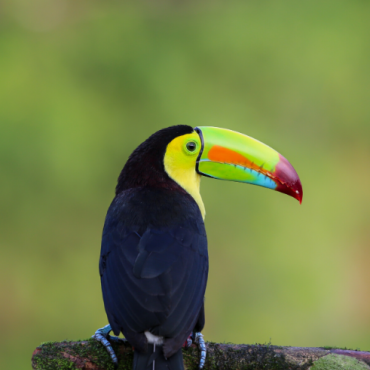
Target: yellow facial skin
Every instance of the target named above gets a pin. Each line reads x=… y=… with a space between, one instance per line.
x=180 y=163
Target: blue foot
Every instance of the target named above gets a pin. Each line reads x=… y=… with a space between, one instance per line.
x=203 y=349
x=102 y=336
x=197 y=338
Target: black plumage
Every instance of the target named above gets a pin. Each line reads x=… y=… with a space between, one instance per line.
x=154 y=259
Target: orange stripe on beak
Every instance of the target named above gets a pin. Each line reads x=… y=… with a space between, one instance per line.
x=224 y=155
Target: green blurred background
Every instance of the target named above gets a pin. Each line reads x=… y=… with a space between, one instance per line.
x=82 y=83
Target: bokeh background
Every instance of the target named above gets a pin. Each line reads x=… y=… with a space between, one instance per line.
x=82 y=83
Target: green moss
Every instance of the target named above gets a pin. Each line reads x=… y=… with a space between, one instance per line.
x=247 y=357
x=339 y=362
x=53 y=356
x=50 y=359
x=73 y=355
x=190 y=360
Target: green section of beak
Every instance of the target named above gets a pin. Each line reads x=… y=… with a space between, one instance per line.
x=229 y=155
x=252 y=149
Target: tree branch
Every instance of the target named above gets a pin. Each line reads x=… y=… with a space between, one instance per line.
x=90 y=354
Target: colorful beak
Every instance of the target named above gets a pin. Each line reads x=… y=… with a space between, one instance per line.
x=229 y=155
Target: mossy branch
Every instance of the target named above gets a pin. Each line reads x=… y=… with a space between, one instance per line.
x=90 y=354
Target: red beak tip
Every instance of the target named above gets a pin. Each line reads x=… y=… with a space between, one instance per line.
x=299 y=195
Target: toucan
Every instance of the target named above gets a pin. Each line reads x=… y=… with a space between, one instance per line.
x=154 y=257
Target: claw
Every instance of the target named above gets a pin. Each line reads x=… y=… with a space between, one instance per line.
x=102 y=336
x=203 y=349
x=188 y=342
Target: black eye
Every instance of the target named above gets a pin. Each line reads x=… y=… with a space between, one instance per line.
x=191 y=146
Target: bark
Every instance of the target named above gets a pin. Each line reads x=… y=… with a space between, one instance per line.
x=90 y=354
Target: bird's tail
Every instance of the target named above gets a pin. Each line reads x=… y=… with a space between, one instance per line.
x=154 y=359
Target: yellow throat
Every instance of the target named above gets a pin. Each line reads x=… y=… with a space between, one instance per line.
x=180 y=163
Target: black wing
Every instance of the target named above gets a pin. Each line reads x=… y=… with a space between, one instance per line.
x=155 y=281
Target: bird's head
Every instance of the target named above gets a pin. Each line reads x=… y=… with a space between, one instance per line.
x=183 y=154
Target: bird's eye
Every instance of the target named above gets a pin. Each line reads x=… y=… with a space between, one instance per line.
x=191 y=146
